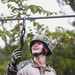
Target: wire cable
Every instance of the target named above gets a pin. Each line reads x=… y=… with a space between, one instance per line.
x=30 y=18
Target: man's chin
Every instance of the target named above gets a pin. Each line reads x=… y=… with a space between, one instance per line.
x=36 y=51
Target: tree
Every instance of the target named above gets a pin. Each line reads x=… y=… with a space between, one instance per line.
x=70 y=3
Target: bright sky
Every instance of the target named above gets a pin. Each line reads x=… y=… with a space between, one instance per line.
x=50 y=5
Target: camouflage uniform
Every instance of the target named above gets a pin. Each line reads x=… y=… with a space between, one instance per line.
x=31 y=68
x=11 y=70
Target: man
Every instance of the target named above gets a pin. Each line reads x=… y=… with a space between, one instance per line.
x=40 y=47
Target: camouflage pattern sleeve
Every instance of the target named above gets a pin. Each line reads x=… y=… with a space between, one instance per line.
x=11 y=70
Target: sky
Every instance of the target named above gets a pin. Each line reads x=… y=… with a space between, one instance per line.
x=50 y=5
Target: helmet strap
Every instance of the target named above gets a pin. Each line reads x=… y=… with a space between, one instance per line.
x=42 y=52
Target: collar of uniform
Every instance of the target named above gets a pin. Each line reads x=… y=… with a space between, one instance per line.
x=48 y=68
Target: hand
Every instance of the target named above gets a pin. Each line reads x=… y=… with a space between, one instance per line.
x=16 y=55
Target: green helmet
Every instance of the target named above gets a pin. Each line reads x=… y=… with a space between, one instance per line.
x=43 y=39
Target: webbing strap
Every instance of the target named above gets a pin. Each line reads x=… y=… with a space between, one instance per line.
x=22 y=38
x=22 y=35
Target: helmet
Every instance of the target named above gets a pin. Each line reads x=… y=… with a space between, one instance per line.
x=43 y=39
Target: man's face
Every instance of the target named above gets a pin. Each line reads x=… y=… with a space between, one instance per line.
x=37 y=47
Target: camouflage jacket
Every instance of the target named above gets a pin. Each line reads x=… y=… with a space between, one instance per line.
x=11 y=70
x=30 y=68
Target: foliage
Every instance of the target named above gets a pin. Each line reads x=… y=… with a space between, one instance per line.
x=70 y=3
x=62 y=58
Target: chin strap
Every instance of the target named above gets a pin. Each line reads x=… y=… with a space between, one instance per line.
x=42 y=52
